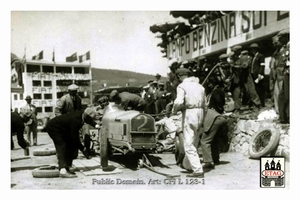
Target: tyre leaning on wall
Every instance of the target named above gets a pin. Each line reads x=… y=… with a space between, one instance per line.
x=264 y=142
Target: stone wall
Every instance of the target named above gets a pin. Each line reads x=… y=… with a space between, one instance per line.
x=240 y=132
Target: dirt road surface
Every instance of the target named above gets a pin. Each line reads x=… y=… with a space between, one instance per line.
x=236 y=172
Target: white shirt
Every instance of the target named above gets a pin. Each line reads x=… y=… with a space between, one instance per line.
x=190 y=94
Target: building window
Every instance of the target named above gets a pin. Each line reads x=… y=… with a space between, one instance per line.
x=15 y=97
x=63 y=82
x=47 y=96
x=82 y=82
x=33 y=68
x=37 y=96
x=48 y=109
x=39 y=109
x=49 y=69
x=21 y=96
x=36 y=83
x=47 y=83
x=81 y=70
x=67 y=70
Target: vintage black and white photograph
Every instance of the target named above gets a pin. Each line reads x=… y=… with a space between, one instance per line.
x=172 y=99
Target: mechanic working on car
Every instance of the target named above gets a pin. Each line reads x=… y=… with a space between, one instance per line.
x=128 y=101
x=69 y=102
x=17 y=126
x=190 y=100
x=213 y=124
x=86 y=136
x=64 y=131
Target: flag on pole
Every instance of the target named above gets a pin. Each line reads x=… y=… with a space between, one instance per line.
x=38 y=56
x=72 y=58
x=84 y=57
x=24 y=56
x=53 y=56
x=88 y=55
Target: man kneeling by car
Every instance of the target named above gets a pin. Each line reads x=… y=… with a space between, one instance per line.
x=64 y=131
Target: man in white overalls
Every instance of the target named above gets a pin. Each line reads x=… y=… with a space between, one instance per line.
x=190 y=100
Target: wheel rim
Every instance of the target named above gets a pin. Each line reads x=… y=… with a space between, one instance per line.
x=261 y=141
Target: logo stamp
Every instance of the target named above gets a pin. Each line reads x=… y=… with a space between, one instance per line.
x=272 y=172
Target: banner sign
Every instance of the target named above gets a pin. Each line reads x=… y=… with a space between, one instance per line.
x=234 y=28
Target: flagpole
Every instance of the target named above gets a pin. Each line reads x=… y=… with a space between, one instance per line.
x=53 y=55
x=24 y=56
x=91 y=81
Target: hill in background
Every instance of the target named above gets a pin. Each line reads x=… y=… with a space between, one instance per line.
x=118 y=77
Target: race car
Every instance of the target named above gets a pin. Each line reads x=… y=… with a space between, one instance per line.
x=126 y=132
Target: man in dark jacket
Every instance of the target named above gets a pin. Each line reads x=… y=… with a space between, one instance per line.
x=161 y=100
x=283 y=76
x=17 y=126
x=69 y=102
x=128 y=101
x=212 y=125
x=31 y=127
x=149 y=99
x=64 y=131
x=258 y=71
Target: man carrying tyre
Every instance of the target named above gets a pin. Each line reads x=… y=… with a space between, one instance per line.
x=190 y=100
x=64 y=131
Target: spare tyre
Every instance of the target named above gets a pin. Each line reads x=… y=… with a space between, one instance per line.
x=45 y=172
x=264 y=142
x=44 y=152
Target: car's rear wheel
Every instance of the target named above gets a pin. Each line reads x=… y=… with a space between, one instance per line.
x=179 y=149
x=103 y=147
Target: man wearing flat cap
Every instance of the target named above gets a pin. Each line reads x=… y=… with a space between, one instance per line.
x=158 y=77
x=283 y=64
x=103 y=101
x=276 y=76
x=31 y=125
x=173 y=79
x=236 y=79
x=225 y=72
x=190 y=100
x=242 y=80
x=64 y=131
x=257 y=71
x=161 y=100
x=204 y=68
x=69 y=102
x=17 y=127
x=236 y=48
x=149 y=99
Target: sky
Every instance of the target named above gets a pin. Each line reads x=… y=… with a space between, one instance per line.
x=115 y=39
